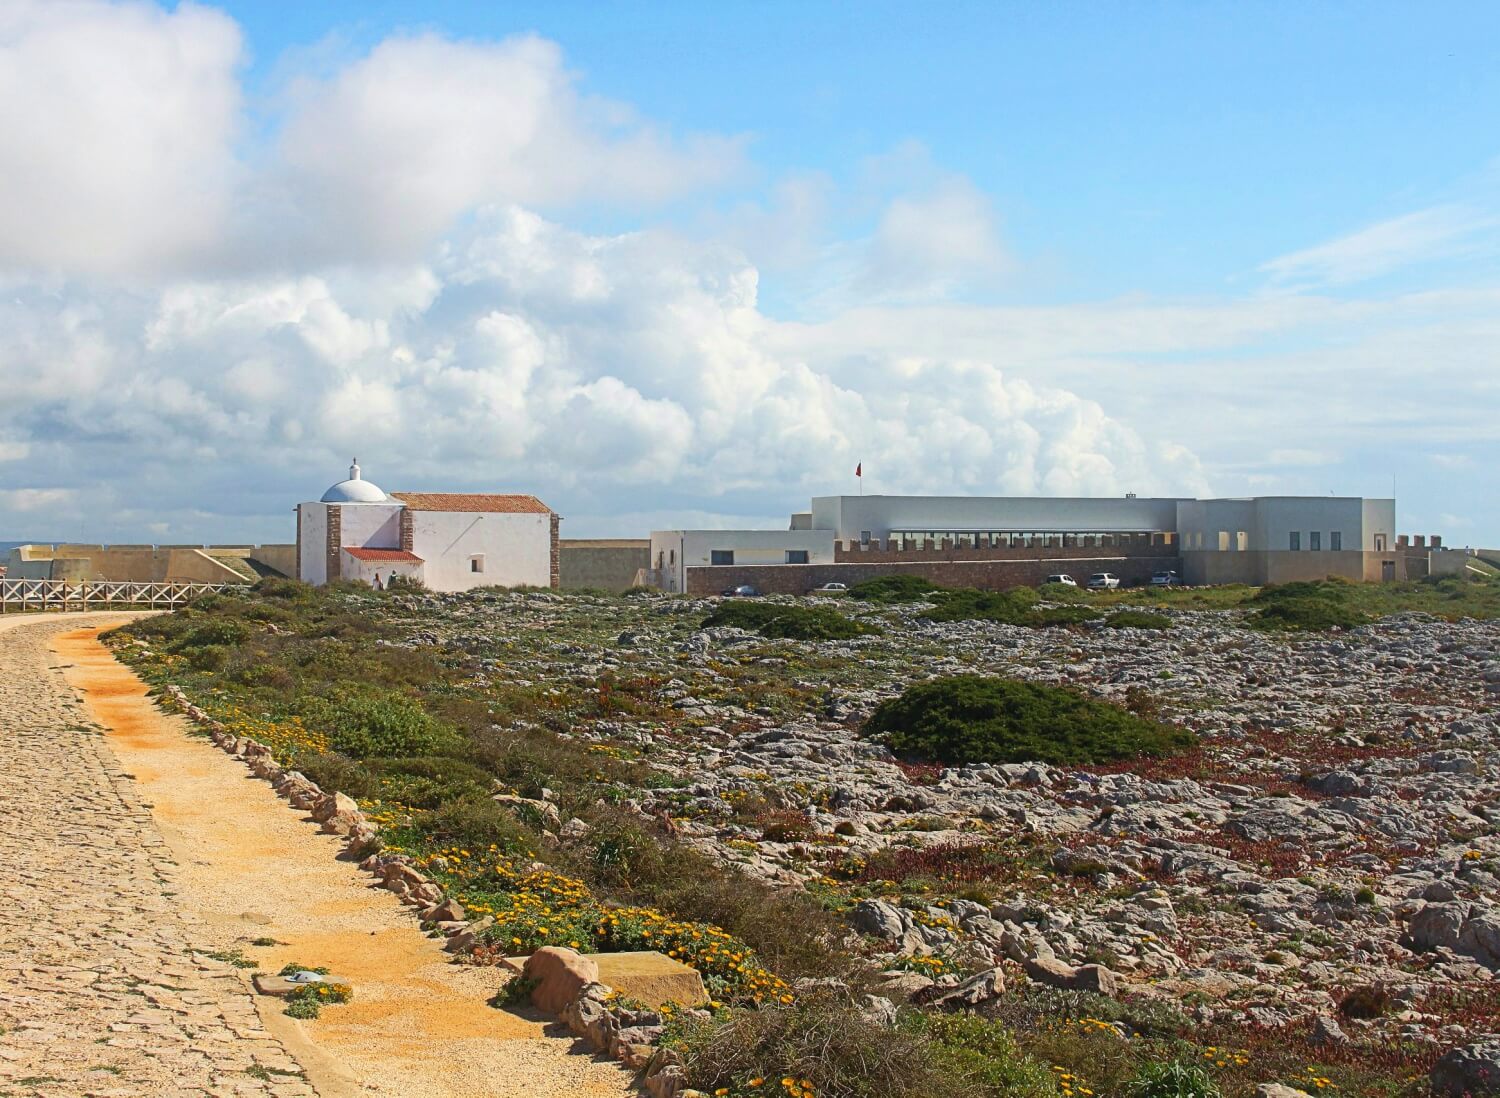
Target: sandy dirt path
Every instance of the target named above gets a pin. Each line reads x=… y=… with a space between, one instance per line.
x=251 y=868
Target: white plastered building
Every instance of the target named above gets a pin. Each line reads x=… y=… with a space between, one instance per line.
x=447 y=541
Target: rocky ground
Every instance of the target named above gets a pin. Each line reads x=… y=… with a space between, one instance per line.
x=1326 y=859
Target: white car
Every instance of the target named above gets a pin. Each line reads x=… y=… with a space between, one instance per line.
x=1101 y=581
x=831 y=589
x=1165 y=579
x=1065 y=580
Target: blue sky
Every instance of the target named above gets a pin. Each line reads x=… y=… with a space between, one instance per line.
x=679 y=262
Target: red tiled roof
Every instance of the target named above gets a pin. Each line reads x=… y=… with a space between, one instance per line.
x=386 y=555
x=460 y=501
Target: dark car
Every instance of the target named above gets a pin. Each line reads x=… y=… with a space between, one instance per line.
x=743 y=591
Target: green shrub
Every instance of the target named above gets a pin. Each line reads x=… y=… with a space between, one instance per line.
x=428 y=781
x=823 y=1039
x=219 y=632
x=335 y=773
x=985 y=1052
x=1137 y=619
x=1172 y=1079
x=971 y=604
x=974 y=718
x=210 y=657
x=771 y=619
x=899 y=587
x=477 y=823
x=1307 y=615
x=1059 y=615
x=373 y=722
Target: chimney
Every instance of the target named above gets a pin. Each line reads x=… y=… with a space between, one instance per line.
x=1437 y=541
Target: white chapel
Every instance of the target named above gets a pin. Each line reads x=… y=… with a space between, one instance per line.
x=448 y=541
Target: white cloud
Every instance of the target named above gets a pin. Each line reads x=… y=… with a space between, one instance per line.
x=31 y=500
x=385 y=155
x=610 y=369
x=1301 y=457
x=126 y=151
x=116 y=126
x=1423 y=236
x=928 y=243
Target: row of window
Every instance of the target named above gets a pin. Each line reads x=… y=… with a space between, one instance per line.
x=726 y=556
x=1315 y=540
x=1240 y=540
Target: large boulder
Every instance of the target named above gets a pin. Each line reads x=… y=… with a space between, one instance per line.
x=1471 y=1070
x=973 y=992
x=1436 y=926
x=1480 y=939
x=560 y=975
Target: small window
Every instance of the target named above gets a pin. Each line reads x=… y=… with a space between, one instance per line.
x=1336 y=540
x=476 y=564
x=1315 y=540
x=721 y=556
x=796 y=556
x=1380 y=544
x=1296 y=541
x=1223 y=541
x=864 y=537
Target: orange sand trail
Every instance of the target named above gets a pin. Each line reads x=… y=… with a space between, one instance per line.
x=253 y=868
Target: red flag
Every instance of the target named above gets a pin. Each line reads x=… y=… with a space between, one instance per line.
x=859 y=470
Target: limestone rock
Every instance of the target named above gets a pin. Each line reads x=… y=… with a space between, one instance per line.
x=1471 y=1070
x=561 y=975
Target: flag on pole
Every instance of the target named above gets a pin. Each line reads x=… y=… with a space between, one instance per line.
x=859 y=470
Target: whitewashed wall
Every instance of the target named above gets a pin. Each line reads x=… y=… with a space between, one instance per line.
x=517 y=548
x=312 y=543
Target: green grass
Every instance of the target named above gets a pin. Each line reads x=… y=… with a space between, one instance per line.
x=898 y=587
x=779 y=621
x=974 y=718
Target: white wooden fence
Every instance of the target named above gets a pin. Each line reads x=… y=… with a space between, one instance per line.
x=36 y=594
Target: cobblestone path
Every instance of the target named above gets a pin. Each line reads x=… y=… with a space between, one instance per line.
x=102 y=988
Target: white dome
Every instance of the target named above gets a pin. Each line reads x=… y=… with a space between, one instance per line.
x=354 y=490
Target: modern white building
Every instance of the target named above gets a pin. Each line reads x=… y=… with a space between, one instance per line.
x=447 y=541
x=673 y=552
x=1265 y=539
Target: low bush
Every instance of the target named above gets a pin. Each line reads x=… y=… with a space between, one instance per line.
x=823 y=1045
x=1137 y=619
x=974 y=718
x=1060 y=615
x=985 y=1053
x=368 y=721
x=1307 y=606
x=1171 y=1079
x=895 y=588
x=1307 y=615
x=771 y=619
x=219 y=632
x=971 y=604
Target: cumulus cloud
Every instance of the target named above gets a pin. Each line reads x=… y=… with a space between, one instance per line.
x=608 y=369
x=387 y=153
x=126 y=151
x=118 y=122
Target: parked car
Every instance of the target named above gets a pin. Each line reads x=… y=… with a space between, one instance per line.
x=1065 y=580
x=1101 y=581
x=1165 y=579
x=743 y=591
x=831 y=589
